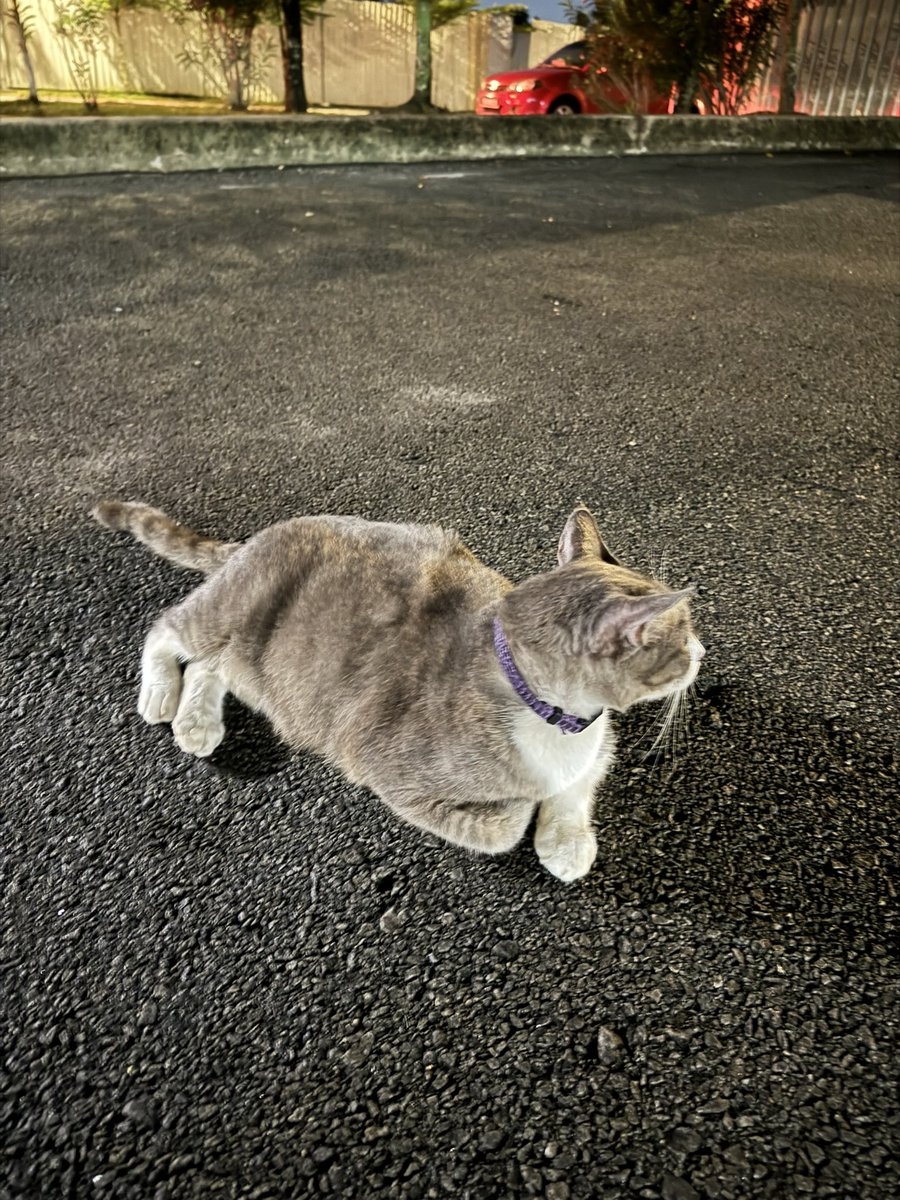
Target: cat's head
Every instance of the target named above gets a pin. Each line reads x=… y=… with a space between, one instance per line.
x=617 y=637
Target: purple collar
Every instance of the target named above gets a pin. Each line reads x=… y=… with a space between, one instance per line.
x=564 y=722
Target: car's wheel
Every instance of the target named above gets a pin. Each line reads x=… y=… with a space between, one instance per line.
x=564 y=106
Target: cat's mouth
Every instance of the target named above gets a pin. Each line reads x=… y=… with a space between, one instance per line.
x=677 y=688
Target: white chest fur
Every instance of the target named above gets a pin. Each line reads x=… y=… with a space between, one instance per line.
x=559 y=761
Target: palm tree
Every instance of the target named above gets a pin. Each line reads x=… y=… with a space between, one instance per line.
x=431 y=14
x=292 y=56
x=421 y=99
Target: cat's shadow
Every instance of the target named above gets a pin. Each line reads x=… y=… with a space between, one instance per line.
x=251 y=749
x=769 y=815
x=777 y=816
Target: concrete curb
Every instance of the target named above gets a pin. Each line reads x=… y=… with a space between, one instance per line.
x=31 y=146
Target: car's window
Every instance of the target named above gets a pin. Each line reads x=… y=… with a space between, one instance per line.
x=573 y=55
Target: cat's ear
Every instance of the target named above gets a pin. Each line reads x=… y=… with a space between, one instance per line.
x=625 y=623
x=581 y=539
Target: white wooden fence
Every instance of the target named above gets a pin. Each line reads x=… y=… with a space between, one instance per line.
x=357 y=53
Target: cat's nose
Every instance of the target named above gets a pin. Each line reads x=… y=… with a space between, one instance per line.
x=697 y=649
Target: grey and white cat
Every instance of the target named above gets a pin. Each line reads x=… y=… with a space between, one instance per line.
x=463 y=701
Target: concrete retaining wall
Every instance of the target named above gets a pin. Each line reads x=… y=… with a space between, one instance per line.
x=96 y=145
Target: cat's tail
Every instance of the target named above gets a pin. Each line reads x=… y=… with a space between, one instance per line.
x=164 y=536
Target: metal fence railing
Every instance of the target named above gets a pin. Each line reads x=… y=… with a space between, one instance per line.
x=847 y=60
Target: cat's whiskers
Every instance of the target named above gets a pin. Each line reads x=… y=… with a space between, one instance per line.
x=669 y=732
x=672 y=731
x=661 y=569
x=685 y=698
x=656 y=731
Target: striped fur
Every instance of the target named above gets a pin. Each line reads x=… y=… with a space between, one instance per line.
x=164 y=536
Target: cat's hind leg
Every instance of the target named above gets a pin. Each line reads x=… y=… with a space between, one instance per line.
x=198 y=725
x=160 y=674
x=476 y=825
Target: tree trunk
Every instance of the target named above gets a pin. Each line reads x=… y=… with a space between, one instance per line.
x=687 y=90
x=22 y=39
x=292 y=57
x=787 y=67
x=235 y=100
x=422 y=95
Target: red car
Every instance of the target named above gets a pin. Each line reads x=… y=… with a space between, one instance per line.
x=555 y=86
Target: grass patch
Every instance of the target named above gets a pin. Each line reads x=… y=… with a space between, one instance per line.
x=126 y=104
x=118 y=104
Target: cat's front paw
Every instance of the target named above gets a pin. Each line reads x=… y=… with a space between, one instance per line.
x=197 y=736
x=158 y=702
x=566 y=852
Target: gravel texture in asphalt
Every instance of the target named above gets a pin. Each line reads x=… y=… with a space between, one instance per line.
x=243 y=978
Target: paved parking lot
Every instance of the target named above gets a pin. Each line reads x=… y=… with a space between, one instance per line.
x=243 y=978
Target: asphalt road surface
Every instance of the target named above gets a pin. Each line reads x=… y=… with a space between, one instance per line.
x=244 y=978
